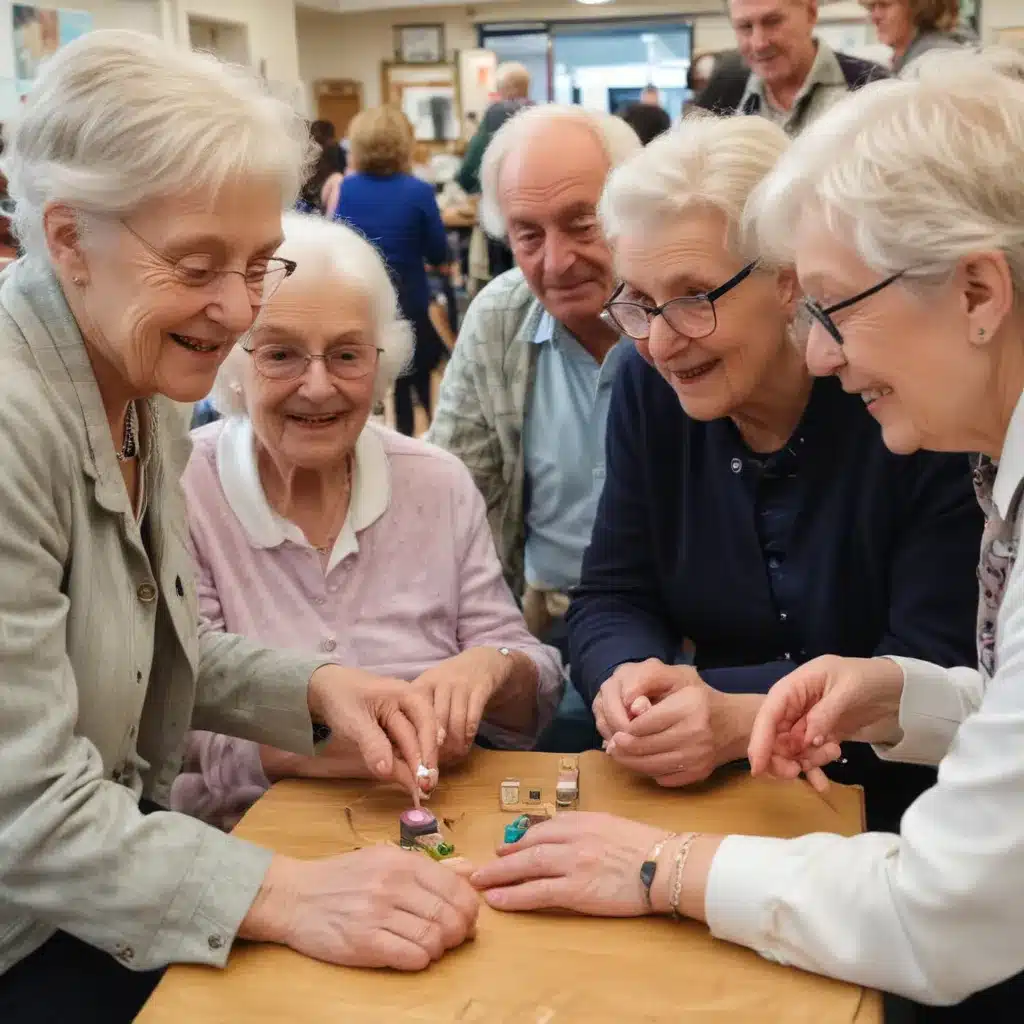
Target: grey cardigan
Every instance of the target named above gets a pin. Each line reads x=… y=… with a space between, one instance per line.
x=102 y=671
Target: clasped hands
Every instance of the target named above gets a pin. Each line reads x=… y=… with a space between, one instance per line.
x=665 y=722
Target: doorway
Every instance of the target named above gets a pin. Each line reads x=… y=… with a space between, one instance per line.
x=338 y=100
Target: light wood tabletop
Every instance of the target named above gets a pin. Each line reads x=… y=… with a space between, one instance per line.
x=529 y=968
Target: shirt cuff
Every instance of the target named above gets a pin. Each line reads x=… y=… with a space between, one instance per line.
x=745 y=873
x=931 y=711
x=550 y=687
x=202 y=921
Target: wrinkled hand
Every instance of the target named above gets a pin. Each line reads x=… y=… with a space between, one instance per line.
x=808 y=713
x=460 y=689
x=377 y=907
x=588 y=863
x=381 y=718
x=664 y=722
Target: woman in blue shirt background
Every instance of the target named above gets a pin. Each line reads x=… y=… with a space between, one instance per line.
x=399 y=214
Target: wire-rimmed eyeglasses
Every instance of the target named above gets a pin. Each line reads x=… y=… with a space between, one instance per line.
x=262 y=277
x=693 y=316
x=824 y=315
x=286 y=362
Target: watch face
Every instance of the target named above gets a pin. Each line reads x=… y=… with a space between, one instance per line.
x=647 y=870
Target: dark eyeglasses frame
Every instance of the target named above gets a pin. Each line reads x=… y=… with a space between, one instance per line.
x=310 y=358
x=290 y=266
x=690 y=300
x=824 y=316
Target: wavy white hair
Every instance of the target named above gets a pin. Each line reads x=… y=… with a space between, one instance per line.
x=341 y=255
x=706 y=162
x=915 y=173
x=618 y=140
x=117 y=118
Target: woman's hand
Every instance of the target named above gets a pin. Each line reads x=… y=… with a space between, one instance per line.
x=588 y=863
x=377 y=907
x=667 y=723
x=460 y=689
x=807 y=714
x=376 y=715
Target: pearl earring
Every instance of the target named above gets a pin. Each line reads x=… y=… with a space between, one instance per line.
x=77 y=281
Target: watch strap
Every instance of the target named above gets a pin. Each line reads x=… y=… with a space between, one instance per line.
x=649 y=868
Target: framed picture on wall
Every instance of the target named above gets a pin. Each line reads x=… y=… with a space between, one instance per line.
x=419 y=44
x=428 y=94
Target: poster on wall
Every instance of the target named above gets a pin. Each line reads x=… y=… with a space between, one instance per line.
x=477 y=82
x=38 y=32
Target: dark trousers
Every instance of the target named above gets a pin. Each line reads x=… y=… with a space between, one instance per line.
x=67 y=981
x=427 y=354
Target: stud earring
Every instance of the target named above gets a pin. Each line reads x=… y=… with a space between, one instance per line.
x=981 y=333
x=78 y=281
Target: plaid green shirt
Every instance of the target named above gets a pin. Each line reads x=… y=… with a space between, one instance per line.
x=482 y=405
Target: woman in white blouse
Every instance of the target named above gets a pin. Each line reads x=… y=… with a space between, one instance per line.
x=905 y=212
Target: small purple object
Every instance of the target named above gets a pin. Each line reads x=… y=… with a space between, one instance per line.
x=416 y=822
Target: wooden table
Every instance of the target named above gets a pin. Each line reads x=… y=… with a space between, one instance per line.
x=529 y=968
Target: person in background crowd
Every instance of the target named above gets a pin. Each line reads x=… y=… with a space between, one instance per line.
x=651 y=96
x=787 y=75
x=647 y=121
x=323 y=181
x=746 y=508
x=139 y=274
x=913 y=27
x=702 y=67
x=398 y=213
x=513 y=83
x=525 y=396
x=314 y=528
x=903 y=212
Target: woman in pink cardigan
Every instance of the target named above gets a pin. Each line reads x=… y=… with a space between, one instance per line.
x=315 y=529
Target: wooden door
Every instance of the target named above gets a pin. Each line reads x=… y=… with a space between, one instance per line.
x=338 y=101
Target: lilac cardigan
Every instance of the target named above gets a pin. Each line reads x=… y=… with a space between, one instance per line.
x=413 y=580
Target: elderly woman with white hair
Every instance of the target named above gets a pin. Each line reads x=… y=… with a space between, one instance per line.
x=904 y=212
x=149 y=183
x=747 y=509
x=316 y=528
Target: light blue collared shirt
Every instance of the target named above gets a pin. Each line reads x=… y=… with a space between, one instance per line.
x=563 y=444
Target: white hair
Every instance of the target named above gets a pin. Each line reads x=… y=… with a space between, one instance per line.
x=705 y=163
x=617 y=139
x=512 y=76
x=914 y=174
x=117 y=118
x=336 y=251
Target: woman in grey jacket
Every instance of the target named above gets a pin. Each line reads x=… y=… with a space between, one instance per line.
x=149 y=184
x=913 y=27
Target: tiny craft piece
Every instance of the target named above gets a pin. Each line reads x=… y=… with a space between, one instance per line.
x=567 y=788
x=413 y=823
x=533 y=796
x=434 y=844
x=427 y=779
x=515 y=830
x=509 y=798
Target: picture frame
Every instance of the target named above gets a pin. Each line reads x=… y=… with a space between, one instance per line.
x=429 y=95
x=419 y=44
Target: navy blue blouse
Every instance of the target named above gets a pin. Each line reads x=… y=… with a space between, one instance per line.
x=833 y=545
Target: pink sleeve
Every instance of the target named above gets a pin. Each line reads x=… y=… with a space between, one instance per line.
x=489 y=616
x=222 y=777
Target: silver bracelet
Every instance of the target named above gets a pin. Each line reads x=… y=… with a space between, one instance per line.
x=677 y=878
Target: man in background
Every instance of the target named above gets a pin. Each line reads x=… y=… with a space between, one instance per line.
x=782 y=71
x=650 y=96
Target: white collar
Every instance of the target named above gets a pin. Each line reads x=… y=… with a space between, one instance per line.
x=240 y=479
x=1011 y=462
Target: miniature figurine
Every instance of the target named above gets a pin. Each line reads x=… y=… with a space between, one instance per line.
x=567 y=788
x=509 y=794
x=515 y=830
x=418 y=830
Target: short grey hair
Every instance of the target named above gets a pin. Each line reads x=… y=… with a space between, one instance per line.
x=915 y=174
x=333 y=249
x=117 y=118
x=512 y=76
x=706 y=162
x=617 y=139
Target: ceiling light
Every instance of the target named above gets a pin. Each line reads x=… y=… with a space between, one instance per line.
x=594 y=3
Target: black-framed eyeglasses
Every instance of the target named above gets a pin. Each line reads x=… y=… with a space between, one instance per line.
x=824 y=315
x=286 y=362
x=262 y=277
x=691 y=315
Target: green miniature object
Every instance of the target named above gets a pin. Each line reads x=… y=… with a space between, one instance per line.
x=515 y=830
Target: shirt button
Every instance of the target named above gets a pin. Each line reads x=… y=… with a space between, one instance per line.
x=787 y=656
x=736 y=465
x=215 y=942
x=333 y=588
x=773 y=562
x=125 y=953
x=131 y=731
x=783 y=616
x=138 y=677
x=318 y=600
x=146 y=592
x=329 y=644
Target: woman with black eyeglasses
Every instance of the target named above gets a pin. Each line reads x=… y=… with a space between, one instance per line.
x=749 y=512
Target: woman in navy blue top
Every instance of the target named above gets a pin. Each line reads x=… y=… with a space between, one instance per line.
x=398 y=213
x=747 y=509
